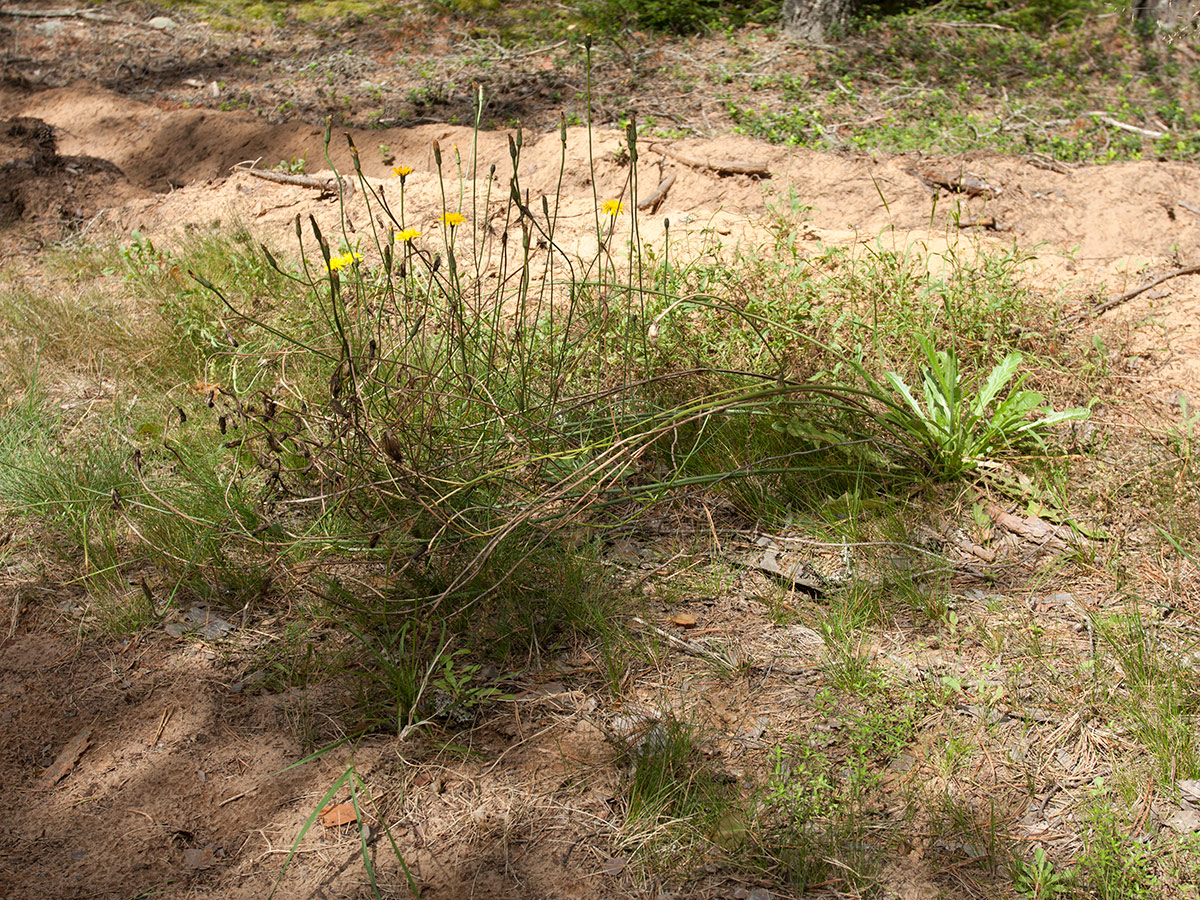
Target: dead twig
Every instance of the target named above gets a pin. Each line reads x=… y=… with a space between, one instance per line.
x=325 y=185
x=1125 y=126
x=1129 y=295
x=86 y=14
x=720 y=166
x=652 y=202
x=680 y=644
x=1188 y=206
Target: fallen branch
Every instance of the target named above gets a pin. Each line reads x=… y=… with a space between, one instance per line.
x=328 y=185
x=1125 y=126
x=1129 y=295
x=988 y=223
x=720 y=166
x=1189 y=207
x=958 y=181
x=652 y=202
x=679 y=643
x=64 y=14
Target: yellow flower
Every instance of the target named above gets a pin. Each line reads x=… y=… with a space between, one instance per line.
x=612 y=208
x=401 y=171
x=453 y=219
x=344 y=259
x=407 y=234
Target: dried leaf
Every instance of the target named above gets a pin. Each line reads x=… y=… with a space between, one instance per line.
x=1184 y=821
x=342 y=814
x=68 y=756
x=684 y=620
x=199 y=859
x=614 y=866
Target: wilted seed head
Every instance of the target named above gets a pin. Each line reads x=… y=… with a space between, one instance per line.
x=504 y=238
x=587 y=42
x=182 y=415
x=437 y=262
x=392 y=446
x=437 y=154
x=372 y=348
x=403 y=268
x=222 y=423
x=387 y=257
x=116 y=499
x=212 y=399
x=492 y=171
x=512 y=148
x=562 y=127
x=545 y=206
x=353 y=149
x=520 y=137
x=137 y=461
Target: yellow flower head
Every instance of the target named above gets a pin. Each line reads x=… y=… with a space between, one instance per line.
x=401 y=172
x=407 y=234
x=453 y=219
x=342 y=260
x=612 y=208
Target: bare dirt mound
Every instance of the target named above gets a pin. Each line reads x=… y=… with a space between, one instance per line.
x=1082 y=228
x=48 y=191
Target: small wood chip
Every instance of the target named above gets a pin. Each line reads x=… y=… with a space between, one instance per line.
x=67 y=757
x=341 y=814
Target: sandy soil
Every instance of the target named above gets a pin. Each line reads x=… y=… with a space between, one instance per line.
x=177 y=787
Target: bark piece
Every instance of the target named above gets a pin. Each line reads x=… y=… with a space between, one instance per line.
x=67 y=757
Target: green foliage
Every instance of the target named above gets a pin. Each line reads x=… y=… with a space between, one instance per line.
x=1115 y=865
x=958 y=426
x=1012 y=77
x=1038 y=879
x=677 y=16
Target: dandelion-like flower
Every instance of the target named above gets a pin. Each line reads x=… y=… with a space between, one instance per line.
x=344 y=259
x=452 y=219
x=612 y=208
x=407 y=234
x=401 y=172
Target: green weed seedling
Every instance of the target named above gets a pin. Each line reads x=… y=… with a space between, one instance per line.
x=1039 y=879
x=360 y=801
x=959 y=426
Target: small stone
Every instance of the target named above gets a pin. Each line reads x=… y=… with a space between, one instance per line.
x=902 y=763
x=52 y=28
x=162 y=23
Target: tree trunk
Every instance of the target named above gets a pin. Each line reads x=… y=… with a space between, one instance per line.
x=813 y=20
x=1176 y=16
